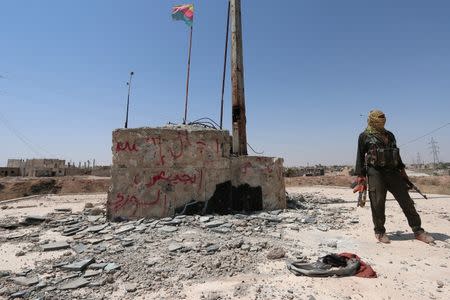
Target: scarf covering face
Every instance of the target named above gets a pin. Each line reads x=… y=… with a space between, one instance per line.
x=376 y=122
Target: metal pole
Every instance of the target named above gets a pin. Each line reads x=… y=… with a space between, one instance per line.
x=128 y=99
x=187 y=79
x=237 y=81
x=225 y=65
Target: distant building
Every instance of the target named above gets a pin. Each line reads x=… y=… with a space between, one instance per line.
x=45 y=167
x=51 y=168
x=38 y=167
x=6 y=172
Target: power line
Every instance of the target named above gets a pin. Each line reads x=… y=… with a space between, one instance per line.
x=30 y=145
x=427 y=134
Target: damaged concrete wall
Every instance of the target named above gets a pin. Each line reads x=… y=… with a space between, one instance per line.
x=159 y=172
x=253 y=173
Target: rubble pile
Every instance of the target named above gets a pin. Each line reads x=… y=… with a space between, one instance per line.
x=159 y=256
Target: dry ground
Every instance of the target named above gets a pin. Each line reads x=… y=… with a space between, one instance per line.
x=407 y=269
x=427 y=184
x=16 y=187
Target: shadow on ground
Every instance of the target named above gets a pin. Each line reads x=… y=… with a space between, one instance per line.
x=410 y=236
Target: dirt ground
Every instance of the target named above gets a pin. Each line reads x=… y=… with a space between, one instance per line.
x=427 y=184
x=229 y=261
x=16 y=187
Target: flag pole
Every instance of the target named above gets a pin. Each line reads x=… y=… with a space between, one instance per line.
x=187 y=79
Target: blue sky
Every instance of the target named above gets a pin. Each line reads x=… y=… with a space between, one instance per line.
x=311 y=69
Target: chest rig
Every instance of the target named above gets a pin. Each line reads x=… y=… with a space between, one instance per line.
x=380 y=154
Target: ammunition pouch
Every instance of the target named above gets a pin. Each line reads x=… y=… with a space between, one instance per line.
x=383 y=157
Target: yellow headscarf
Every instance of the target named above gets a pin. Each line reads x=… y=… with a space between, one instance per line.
x=376 y=122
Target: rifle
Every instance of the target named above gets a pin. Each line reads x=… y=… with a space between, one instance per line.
x=362 y=197
x=411 y=186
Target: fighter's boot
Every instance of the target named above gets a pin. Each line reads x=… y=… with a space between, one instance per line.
x=382 y=238
x=424 y=237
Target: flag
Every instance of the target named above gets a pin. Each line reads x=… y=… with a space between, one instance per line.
x=184 y=12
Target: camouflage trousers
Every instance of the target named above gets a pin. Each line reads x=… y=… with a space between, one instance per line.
x=381 y=181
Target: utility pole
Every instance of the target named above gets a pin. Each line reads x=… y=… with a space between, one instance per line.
x=237 y=81
x=435 y=151
x=128 y=98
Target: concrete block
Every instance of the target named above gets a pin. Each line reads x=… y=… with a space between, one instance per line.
x=159 y=172
x=166 y=147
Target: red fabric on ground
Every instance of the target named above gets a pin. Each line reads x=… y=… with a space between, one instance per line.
x=365 y=270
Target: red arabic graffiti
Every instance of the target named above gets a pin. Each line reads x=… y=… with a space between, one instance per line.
x=126 y=147
x=180 y=153
x=175 y=179
x=122 y=201
x=157 y=142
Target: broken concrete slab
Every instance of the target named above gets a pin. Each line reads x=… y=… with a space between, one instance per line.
x=79 y=248
x=111 y=267
x=92 y=273
x=34 y=220
x=168 y=229
x=9 y=226
x=78 y=265
x=15 y=236
x=55 y=246
x=215 y=223
x=97 y=266
x=62 y=209
x=125 y=229
x=19 y=294
x=25 y=281
x=74 y=284
x=97 y=228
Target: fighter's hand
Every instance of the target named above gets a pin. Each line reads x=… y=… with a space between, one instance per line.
x=361 y=184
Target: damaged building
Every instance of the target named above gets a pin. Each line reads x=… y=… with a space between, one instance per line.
x=38 y=167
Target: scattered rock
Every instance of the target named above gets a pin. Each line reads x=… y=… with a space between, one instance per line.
x=130 y=287
x=276 y=253
x=205 y=219
x=212 y=248
x=174 y=247
x=96 y=211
